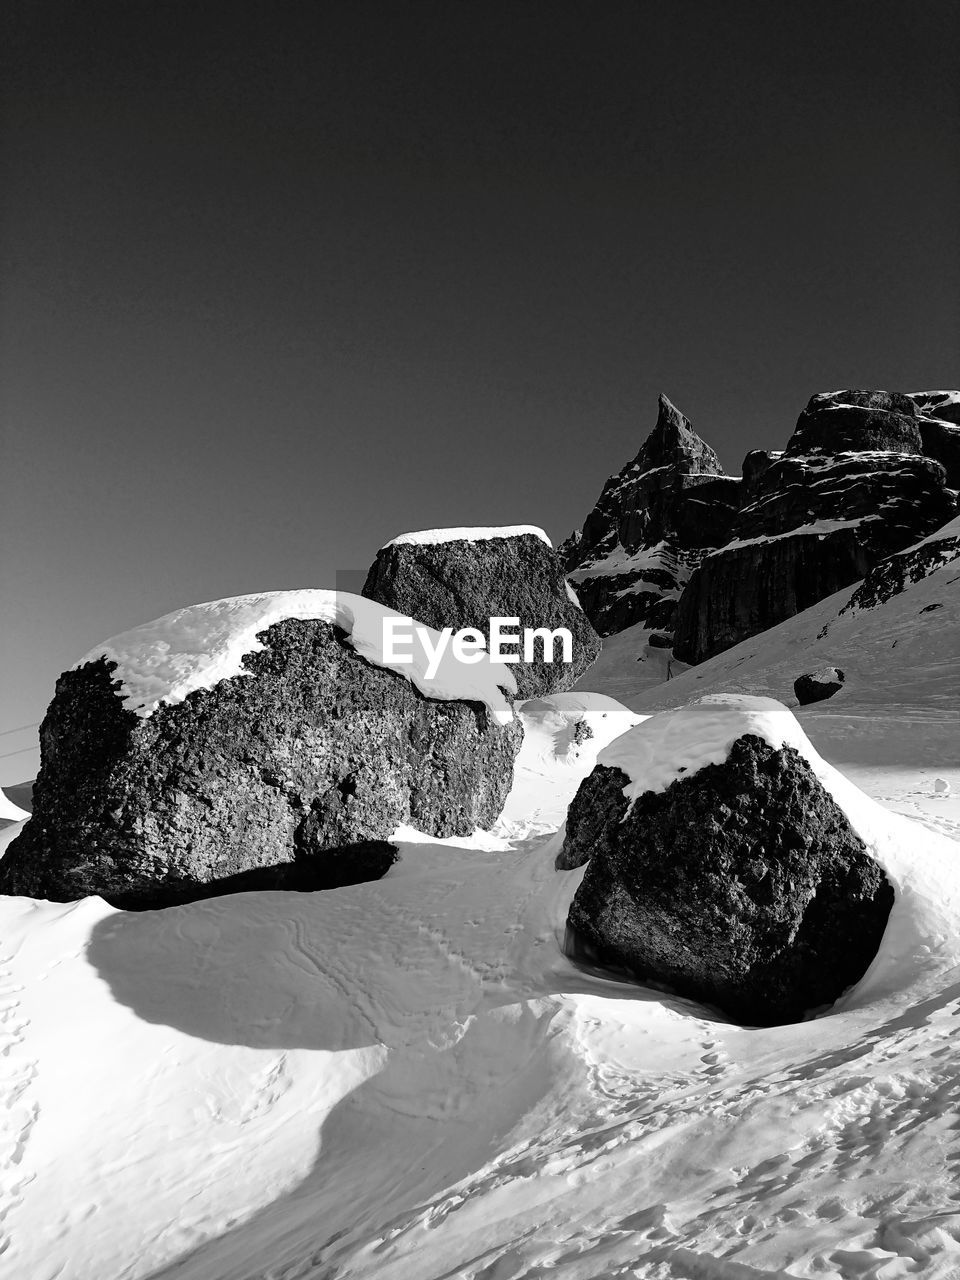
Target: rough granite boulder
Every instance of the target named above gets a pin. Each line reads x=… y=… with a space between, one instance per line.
x=743 y=885
x=290 y=775
x=650 y=527
x=462 y=578
x=817 y=686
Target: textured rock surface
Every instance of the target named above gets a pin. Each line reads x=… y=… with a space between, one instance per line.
x=742 y=591
x=649 y=528
x=817 y=686
x=464 y=583
x=939 y=424
x=743 y=886
x=290 y=778
x=815 y=521
x=892 y=575
x=857 y=421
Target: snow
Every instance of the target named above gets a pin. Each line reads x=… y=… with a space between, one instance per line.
x=408 y=1080
x=665 y=747
x=10 y=812
x=431 y=537
x=818 y=528
x=571 y=594
x=618 y=560
x=197 y=647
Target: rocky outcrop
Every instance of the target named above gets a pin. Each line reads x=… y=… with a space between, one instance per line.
x=463 y=578
x=650 y=527
x=858 y=422
x=817 y=686
x=290 y=775
x=742 y=885
x=896 y=573
x=851 y=488
x=939 y=425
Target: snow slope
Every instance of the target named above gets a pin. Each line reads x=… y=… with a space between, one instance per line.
x=10 y=811
x=901 y=659
x=408 y=1080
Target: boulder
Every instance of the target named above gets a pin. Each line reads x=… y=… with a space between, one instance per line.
x=817 y=686
x=462 y=578
x=721 y=867
x=255 y=743
x=650 y=527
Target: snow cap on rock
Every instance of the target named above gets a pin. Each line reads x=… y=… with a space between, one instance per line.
x=679 y=743
x=197 y=647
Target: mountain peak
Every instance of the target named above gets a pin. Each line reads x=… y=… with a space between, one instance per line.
x=673 y=442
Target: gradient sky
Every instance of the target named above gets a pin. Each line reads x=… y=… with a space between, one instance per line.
x=281 y=281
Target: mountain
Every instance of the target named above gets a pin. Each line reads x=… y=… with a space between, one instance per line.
x=695 y=561
x=896 y=637
x=852 y=487
x=650 y=527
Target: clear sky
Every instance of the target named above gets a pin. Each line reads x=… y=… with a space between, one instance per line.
x=280 y=281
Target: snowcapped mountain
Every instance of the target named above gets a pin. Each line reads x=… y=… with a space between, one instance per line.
x=650 y=527
x=704 y=561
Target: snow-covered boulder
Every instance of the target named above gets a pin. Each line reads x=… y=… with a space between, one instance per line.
x=650 y=526
x=721 y=866
x=462 y=578
x=816 y=686
x=257 y=742
x=851 y=488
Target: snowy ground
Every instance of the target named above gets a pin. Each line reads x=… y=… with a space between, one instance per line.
x=408 y=1080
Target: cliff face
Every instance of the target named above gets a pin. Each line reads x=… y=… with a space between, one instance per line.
x=650 y=527
x=852 y=487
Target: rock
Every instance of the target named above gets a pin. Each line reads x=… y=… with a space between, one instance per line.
x=462 y=578
x=740 y=883
x=755 y=466
x=943 y=406
x=742 y=590
x=892 y=575
x=941 y=786
x=650 y=527
x=939 y=424
x=814 y=521
x=290 y=774
x=818 y=685
x=857 y=421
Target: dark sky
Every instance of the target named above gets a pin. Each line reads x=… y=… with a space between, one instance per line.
x=281 y=281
